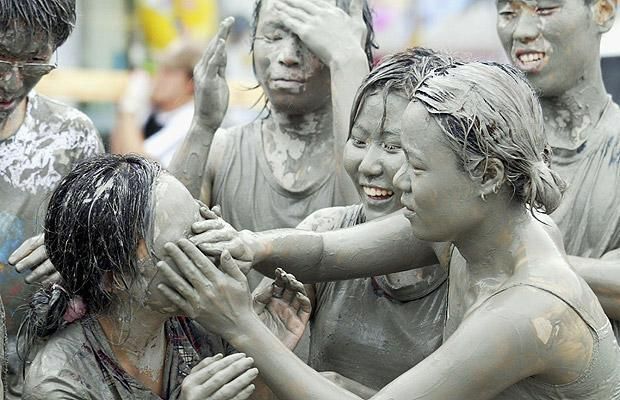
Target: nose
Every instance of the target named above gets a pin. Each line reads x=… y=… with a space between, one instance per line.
x=527 y=27
x=401 y=180
x=290 y=51
x=370 y=165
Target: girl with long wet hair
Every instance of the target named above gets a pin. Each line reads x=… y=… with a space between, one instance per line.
x=109 y=334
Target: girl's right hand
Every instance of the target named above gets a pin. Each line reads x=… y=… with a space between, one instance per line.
x=220 y=378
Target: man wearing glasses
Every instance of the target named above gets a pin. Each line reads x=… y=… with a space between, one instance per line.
x=40 y=141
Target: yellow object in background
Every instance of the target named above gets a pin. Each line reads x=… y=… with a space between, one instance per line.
x=164 y=21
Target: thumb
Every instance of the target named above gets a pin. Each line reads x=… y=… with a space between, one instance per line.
x=356 y=9
x=229 y=266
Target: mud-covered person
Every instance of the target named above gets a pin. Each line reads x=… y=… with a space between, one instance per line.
x=556 y=43
x=400 y=317
x=40 y=140
x=520 y=323
x=309 y=57
x=109 y=333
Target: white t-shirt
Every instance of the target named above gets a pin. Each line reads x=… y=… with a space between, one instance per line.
x=162 y=145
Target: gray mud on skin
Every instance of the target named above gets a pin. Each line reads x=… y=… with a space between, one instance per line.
x=581 y=122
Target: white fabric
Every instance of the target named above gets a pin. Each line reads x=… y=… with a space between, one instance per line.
x=162 y=145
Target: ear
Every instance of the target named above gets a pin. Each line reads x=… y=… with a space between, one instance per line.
x=493 y=178
x=604 y=13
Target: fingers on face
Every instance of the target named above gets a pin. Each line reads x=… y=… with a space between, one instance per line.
x=32 y=260
x=182 y=292
x=229 y=265
x=213 y=236
x=176 y=299
x=26 y=248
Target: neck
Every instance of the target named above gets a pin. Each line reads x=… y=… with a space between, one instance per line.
x=137 y=338
x=11 y=124
x=490 y=247
x=570 y=116
x=311 y=126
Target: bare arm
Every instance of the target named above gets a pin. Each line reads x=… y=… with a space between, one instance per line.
x=378 y=247
x=603 y=276
x=211 y=94
x=493 y=348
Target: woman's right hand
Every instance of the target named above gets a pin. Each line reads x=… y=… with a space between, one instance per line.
x=220 y=378
x=213 y=235
x=211 y=93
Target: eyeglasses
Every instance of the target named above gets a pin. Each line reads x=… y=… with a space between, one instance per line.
x=29 y=70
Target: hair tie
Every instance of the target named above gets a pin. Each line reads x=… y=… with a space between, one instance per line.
x=76 y=309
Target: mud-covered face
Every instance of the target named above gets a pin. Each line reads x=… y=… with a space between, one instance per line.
x=442 y=200
x=373 y=153
x=552 y=41
x=175 y=212
x=17 y=46
x=294 y=79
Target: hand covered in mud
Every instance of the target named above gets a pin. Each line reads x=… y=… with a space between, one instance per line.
x=31 y=256
x=211 y=93
x=213 y=235
x=327 y=30
x=218 y=299
x=221 y=378
x=283 y=307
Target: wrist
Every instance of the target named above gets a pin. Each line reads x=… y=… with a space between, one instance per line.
x=344 y=60
x=260 y=247
x=244 y=332
x=204 y=123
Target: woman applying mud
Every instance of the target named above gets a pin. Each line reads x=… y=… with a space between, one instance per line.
x=275 y=171
x=110 y=334
x=556 y=43
x=521 y=324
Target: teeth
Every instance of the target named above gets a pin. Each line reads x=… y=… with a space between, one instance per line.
x=531 y=57
x=376 y=192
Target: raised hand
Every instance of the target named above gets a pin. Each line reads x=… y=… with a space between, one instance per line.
x=283 y=307
x=217 y=299
x=211 y=93
x=327 y=30
x=31 y=256
x=220 y=378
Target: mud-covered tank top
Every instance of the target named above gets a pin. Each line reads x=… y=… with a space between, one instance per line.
x=392 y=321
x=601 y=379
x=251 y=197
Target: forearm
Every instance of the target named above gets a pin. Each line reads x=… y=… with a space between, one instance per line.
x=347 y=70
x=262 y=391
x=603 y=276
x=375 y=248
x=350 y=385
x=189 y=164
x=287 y=376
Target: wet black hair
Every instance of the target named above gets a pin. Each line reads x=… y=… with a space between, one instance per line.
x=56 y=18
x=95 y=220
x=400 y=72
x=369 y=45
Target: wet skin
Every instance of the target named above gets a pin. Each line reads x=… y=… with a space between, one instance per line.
x=373 y=154
x=294 y=79
x=19 y=46
x=552 y=41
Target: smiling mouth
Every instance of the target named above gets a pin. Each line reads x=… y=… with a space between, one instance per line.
x=530 y=61
x=6 y=104
x=376 y=193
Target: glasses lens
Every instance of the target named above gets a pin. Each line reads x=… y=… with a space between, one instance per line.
x=36 y=70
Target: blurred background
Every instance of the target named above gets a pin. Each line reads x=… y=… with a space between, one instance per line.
x=113 y=37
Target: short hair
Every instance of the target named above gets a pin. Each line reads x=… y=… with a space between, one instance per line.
x=399 y=72
x=95 y=220
x=489 y=110
x=56 y=18
x=369 y=44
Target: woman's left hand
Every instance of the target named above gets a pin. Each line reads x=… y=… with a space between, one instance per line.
x=218 y=299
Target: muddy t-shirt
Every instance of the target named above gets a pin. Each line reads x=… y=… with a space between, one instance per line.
x=372 y=330
x=78 y=363
x=51 y=140
x=589 y=215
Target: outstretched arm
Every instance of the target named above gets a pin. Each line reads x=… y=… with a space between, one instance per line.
x=603 y=276
x=211 y=94
x=378 y=247
x=493 y=348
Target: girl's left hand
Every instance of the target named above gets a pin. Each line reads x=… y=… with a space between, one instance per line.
x=218 y=299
